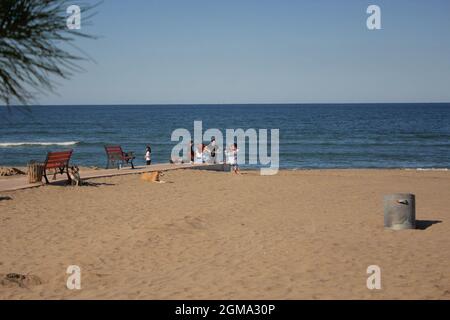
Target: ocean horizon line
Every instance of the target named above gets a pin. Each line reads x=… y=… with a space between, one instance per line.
x=231 y=104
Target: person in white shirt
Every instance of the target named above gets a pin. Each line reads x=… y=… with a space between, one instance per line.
x=206 y=154
x=148 y=155
x=234 y=152
x=231 y=157
x=199 y=154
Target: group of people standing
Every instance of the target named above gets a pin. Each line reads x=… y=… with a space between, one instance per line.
x=205 y=154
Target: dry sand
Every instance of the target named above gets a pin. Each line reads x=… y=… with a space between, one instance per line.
x=213 y=235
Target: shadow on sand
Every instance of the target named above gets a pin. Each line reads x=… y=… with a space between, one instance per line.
x=83 y=184
x=5 y=198
x=425 y=224
x=96 y=184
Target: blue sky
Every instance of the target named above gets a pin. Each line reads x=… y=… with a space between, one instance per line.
x=262 y=51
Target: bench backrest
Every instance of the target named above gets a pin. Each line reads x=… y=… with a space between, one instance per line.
x=58 y=159
x=114 y=152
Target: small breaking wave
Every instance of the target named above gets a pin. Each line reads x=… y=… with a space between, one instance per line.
x=31 y=144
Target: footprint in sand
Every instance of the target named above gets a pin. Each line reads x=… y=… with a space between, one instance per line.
x=195 y=222
x=19 y=280
x=186 y=225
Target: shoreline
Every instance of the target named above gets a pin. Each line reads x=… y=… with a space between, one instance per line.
x=92 y=167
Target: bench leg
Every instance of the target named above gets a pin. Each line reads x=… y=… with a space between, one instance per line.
x=45 y=176
x=69 y=179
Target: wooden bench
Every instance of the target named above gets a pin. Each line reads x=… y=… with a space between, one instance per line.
x=59 y=161
x=116 y=157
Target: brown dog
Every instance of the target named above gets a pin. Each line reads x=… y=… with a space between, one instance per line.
x=152 y=176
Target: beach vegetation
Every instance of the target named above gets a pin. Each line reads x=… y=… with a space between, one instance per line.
x=37 y=47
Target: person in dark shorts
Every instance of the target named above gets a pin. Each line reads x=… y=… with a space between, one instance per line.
x=235 y=165
x=192 y=151
x=213 y=148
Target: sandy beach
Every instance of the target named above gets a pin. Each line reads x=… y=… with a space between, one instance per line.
x=307 y=234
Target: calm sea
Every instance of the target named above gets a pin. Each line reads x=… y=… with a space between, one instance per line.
x=311 y=136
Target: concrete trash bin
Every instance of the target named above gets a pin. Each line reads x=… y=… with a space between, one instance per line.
x=400 y=211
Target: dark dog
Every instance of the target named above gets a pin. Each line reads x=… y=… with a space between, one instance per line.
x=74 y=173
